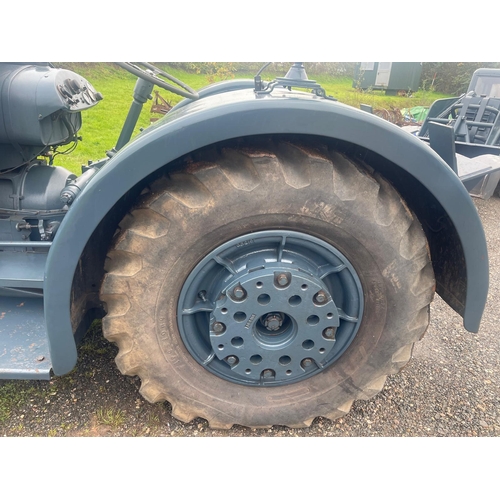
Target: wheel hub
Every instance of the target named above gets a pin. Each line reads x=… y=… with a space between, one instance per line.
x=273 y=325
x=271 y=309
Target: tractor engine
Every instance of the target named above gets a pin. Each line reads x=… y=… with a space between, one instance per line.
x=40 y=111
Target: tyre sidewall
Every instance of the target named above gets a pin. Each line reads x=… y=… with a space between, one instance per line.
x=366 y=358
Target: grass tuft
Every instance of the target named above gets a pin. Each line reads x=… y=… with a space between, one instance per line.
x=111 y=417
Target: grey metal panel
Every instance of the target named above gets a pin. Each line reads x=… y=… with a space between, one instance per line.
x=24 y=347
x=22 y=269
x=219 y=88
x=237 y=114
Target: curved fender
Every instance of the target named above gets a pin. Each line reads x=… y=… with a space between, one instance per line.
x=218 y=88
x=238 y=114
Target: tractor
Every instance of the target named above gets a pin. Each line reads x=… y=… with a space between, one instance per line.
x=261 y=255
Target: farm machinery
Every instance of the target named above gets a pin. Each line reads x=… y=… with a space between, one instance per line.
x=470 y=140
x=261 y=255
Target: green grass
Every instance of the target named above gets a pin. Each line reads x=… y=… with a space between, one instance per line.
x=14 y=395
x=102 y=124
x=111 y=417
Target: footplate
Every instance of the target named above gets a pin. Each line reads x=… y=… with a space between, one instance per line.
x=24 y=347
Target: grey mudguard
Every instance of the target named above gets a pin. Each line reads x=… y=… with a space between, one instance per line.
x=237 y=114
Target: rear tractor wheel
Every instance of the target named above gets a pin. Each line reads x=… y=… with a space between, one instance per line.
x=267 y=286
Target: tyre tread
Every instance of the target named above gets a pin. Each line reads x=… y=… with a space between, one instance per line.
x=190 y=191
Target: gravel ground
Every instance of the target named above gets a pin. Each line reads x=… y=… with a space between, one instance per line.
x=449 y=388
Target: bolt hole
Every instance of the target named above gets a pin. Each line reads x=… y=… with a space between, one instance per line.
x=313 y=320
x=285 y=360
x=289 y=372
x=255 y=359
x=240 y=316
x=263 y=299
x=223 y=310
x=220 y=347
x=308 y=344
x=329 y=315
x=304 y=287
x=322 y=350
x=259 y=284
x=248 y=371
x=237 y=341
x=294 y=300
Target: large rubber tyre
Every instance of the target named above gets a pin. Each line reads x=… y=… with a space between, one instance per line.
x=219 y=195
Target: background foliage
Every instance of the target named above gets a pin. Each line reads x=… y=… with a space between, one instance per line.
x=446 y=77
x=451 y=77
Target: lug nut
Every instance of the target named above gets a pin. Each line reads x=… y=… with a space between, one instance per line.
x=268 y=374
x=306 y=362
x=232 y=360
x=282 y=279
x=320 y=297
x=218 y=327
x=273 y=322
x=239 y=292
x=329 y=333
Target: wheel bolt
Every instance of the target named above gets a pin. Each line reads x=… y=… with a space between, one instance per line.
x=273 y=322
x=232 y=360
x=218 y=327
x=320 y=297
x=306 y=362
x=329 y=333
x=282 y=279
x=268 y=374
x=239 y=292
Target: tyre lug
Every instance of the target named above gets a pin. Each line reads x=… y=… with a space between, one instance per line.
x=218 y=327
x=329 y=333
x=320 y=297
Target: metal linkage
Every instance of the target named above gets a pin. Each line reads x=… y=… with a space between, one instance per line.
x=296 y=77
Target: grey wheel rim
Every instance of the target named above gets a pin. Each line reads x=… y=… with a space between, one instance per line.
x=270 y=308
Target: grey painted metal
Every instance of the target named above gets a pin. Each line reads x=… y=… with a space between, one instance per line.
x=219 y=88
x=31 y=94
x=297 y=78
x=485 y=81
x=475 y=119
x=260 y=307
x=479 y=175
x=442 y=140
x=238 y=114
x=25 y=244
x=24 y=347
x=141 y=94
x=22 y=269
